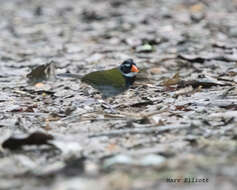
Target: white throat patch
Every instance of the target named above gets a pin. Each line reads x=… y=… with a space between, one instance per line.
x=131 y=74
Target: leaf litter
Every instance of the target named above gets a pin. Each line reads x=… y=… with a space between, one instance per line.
x=178 y=119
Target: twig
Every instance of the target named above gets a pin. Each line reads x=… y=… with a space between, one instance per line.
x=26 y=113
x=143 y=114
x=154 y=129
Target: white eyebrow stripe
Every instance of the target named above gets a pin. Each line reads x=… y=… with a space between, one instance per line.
x=127 y=65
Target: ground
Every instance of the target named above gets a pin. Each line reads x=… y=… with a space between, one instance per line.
x=174 y=129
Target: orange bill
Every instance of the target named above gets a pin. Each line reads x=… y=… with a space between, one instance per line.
x=134 y=69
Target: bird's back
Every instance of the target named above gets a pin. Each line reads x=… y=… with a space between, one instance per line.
x=108 y=82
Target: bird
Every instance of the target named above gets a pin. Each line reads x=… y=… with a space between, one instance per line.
x=109 y=82
x=113 y=81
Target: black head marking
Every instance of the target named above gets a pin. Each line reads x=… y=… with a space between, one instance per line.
x=127 y=70
x=126 y=66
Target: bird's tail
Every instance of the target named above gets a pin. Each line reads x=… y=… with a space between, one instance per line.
x=69 y=75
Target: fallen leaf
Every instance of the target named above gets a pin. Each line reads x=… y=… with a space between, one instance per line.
x=198 y=84
x=182 y=108
x=39 y=85
x=197 y=7
x=172 y=81
x=146 y=48
x=112 y=147
x=36 y=138
x=41 y=73
x=183 y=91
x=157 y=70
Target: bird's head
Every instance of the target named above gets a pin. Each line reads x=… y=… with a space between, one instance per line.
x=128 y=68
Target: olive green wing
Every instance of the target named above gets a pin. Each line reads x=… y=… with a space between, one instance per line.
x=112 y=77
x=108 y=82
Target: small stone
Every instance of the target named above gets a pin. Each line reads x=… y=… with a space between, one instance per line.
x=233 y=32
x=146 y=48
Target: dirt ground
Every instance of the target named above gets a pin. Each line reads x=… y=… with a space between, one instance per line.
x=175 y=128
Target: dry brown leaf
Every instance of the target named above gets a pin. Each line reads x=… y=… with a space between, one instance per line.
x=157 y=70
x=172 y=81
x=112 y=147
x=184 y=91
x=197 y=7
x=39 y=85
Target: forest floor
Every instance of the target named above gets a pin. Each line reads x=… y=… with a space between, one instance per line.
x=174 y=129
